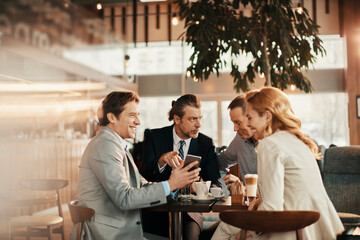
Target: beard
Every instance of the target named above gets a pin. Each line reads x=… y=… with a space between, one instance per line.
x=190 y=133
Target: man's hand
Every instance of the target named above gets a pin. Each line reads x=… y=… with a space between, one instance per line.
x=181 y=177
x=229 y=178
x=171 y=158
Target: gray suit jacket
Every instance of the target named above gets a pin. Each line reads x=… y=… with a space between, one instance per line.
x=110 y=183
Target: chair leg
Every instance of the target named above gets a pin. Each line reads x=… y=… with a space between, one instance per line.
x=243 y=234
x=49 y=232
x=28 y=229
x=62 y=232
x=299 y=234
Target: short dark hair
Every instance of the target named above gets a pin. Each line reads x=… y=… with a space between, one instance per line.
x=183 y=101
x=240 y=102
x=114 y=103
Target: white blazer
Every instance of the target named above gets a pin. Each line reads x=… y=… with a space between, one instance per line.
x=289 y=179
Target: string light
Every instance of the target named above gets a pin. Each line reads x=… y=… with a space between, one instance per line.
x=299 y=9
x=196 y=79
x=99 y=6
x=66 y=3
x=292 y=87
x=175 y=20
x=262 y=75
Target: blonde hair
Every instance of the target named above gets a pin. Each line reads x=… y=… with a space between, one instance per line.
x=283 y=118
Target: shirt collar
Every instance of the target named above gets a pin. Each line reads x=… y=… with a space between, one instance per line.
x=122 y=141
x=177 y=139
x=251 y=141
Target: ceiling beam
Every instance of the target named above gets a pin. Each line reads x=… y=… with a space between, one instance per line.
x=58 y=62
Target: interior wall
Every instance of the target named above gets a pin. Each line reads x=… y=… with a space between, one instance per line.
x=351 y=14
x=159 y=85
x=331 y=80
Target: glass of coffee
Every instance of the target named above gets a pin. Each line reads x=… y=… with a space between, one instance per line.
x=251 y=186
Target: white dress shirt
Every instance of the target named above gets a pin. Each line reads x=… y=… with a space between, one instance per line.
x=176 y=146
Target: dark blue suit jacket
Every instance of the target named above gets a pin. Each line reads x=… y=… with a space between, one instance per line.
x=160 y=141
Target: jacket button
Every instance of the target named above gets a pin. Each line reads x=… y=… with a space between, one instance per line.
x=138 y=222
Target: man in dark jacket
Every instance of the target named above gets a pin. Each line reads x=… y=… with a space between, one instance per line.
x=166 y=147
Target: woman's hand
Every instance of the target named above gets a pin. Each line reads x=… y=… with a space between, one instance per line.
x=238 y=236
x=229 y=178
x=254 y=204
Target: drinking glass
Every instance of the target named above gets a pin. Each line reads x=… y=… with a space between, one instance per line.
x=185 y=194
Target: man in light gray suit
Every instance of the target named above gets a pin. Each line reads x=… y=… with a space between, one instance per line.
x=109 y=181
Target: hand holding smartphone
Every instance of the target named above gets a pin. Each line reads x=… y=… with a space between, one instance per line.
x=192 y=158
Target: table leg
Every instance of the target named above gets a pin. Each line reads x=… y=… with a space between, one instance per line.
x=176 y=227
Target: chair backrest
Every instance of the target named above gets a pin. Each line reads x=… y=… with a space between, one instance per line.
x=341 y=176
x=269 y=221
x=79 y=215
x=47 y=185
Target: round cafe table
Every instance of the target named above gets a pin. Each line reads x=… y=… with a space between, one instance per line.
x=225 y=204
x=177 y=208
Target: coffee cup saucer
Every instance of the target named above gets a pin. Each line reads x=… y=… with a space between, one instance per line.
x=203 y=200
x=219 y=197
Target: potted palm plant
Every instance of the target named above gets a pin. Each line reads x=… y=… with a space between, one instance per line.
x=283 y=40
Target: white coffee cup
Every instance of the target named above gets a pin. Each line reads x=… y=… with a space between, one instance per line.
x=202 y=189
x=251 y=185
x=216 y=192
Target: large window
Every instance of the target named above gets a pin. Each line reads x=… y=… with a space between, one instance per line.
x=154 y=114
x=227 y=128
x=323 y=117
x=209 y=124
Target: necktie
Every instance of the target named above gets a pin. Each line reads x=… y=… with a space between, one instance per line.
x=181 y=150
x=174 y=194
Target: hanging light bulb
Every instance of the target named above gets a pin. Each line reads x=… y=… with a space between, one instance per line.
x=127 y=60
x=299 y=9
x=66 y=3
x=262 y=75
x=188 y=73
x=292 y=87
x=174 y=20
x=196 y=79
x=99 y=6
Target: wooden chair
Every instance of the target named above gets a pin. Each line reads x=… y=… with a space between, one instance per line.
x=79 y=215
x=40 y=225
x=270 y=221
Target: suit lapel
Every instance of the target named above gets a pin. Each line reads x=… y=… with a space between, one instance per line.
x=169 y=139
x=129 y=163
x=133 y=168
x=194 y=148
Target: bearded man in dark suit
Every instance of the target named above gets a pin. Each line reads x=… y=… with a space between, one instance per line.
x=165 y=149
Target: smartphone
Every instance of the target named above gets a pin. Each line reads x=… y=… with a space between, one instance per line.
x=192 y=158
